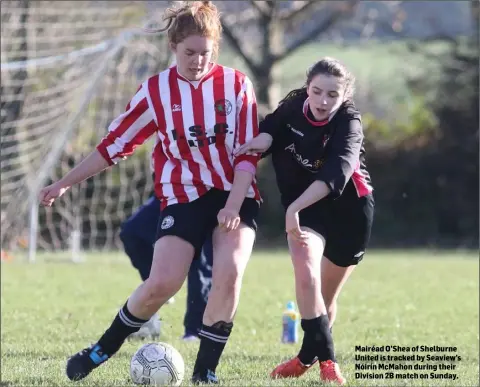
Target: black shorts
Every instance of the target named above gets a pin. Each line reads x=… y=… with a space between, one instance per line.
x=195 y=221
x=345 y=223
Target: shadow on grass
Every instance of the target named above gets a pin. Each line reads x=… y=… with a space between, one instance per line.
x=239 y=357
x=41 y=381
x=51 y=355
x=33 y=381
x=34 y=355
x=275 y=358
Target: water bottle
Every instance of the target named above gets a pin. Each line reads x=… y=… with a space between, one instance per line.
x=290 y=324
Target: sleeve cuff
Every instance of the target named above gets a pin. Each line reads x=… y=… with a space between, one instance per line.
x=103 y=151
x=248 y=158
x=246 y=166
x=335 y=191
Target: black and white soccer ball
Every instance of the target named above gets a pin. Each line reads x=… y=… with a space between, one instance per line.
x=157 y=364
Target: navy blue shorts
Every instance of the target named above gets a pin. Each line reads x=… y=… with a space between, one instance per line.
x=195 y=221
x=345 y=223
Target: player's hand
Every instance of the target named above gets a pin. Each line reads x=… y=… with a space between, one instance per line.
x=228 y=219
x=51 y=192
x=292 y=227
x=256 y=145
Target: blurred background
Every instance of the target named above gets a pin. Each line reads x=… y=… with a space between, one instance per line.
x=68 y=68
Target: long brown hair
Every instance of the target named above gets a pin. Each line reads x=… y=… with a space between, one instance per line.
x=327 y=66
x=193 y=18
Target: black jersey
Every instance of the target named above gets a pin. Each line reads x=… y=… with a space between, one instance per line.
x=304 y=150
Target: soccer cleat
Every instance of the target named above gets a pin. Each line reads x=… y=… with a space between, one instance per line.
x=330 y=372
x=84 y=362
x=151 y=329
x=207 y=377
x=292 y=368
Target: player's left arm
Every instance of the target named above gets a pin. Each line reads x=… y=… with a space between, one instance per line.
x=245 y=166
x=341 y=160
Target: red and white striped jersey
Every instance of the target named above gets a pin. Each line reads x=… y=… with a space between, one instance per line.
x=197 y=127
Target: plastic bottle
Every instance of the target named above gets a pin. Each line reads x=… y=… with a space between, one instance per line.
x=291 y=320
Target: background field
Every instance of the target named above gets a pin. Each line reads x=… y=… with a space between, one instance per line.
x=52 y=309
x=417 y=70
x=380 y=69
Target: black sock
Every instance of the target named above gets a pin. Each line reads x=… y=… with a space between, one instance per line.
x=212 y=342
x=317 y=341
x=122 y=326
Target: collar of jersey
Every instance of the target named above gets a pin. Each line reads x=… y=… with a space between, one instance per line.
x=317 y=123
x=210 y=72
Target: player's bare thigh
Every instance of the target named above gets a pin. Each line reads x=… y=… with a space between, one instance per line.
x=313 y=251
x=231 y=253
x=233 y=247
x=172 y=258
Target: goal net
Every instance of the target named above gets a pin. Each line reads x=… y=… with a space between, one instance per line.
x=68 y=69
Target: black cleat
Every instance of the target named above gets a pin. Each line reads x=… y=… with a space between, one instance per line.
x=84 y=362
x=207 y=377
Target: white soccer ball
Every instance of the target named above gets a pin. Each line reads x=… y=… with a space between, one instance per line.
x=157 y=364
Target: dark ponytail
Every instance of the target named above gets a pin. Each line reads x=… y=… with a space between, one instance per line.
x=294 y=94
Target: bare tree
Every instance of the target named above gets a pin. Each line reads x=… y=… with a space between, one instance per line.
x=273 y=20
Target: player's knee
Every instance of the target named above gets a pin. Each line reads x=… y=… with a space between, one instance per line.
x=159 y=286
x=305 y=269
x=229 y=279
x=306 y=279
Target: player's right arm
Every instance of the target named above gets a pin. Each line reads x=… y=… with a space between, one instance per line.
x=89 y=166
x=125 y=133
x=270 y=128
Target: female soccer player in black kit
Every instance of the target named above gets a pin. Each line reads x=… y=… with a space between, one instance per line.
x=315 y=138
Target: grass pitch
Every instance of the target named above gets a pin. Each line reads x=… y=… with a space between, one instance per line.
x=52 y=309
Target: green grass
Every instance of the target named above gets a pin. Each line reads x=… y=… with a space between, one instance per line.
x=52 y=309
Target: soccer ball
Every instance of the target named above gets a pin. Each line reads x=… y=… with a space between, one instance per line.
x=157 y=364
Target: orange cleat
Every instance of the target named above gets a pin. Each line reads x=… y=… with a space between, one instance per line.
x=292 y=368
x=330 y=372
x=5 y=256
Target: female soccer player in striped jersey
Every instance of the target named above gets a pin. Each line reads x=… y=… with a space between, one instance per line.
x=199 y=112
x=138 y=235
x=316 y=140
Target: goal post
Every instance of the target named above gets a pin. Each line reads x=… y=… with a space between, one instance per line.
x=59 y=94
